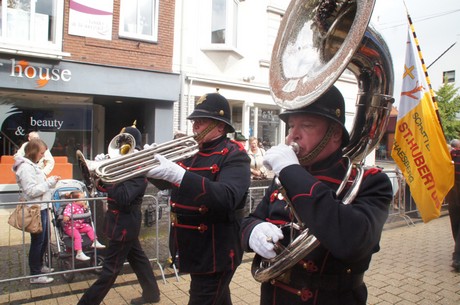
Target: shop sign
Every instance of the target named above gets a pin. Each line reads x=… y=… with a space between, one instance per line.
x=40 y=74
x=18 y=121
x=268 y=116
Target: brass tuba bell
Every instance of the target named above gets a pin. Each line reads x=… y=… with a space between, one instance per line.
x=122 y=144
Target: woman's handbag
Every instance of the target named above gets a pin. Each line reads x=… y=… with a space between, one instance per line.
x=30 y=214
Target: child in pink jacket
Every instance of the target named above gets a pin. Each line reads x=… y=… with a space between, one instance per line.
x=76 y=226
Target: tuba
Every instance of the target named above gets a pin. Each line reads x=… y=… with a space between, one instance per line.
x=316 y=42
x=120 y=167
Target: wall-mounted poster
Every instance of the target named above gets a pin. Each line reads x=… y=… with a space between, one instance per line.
x=89 y=18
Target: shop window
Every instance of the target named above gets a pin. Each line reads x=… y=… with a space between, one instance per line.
x=224 y=21
x=265 y=125
x=139 y=20
x=65 y=128
x=448 y=76
x=32 y=26
x=237 y=117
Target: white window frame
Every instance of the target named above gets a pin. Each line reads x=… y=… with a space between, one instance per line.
x=44 y=49
x=450 y=75
x=231 y=28
x=135 y=36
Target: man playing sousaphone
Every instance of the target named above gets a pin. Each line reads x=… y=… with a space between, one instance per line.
x=348 y=235
x=207 y=199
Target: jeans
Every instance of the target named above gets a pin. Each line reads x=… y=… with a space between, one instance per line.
x=39 y=245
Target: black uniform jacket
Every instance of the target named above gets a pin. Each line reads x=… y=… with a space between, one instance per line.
x=207 y=208
x=123 y=218
x=348 y=234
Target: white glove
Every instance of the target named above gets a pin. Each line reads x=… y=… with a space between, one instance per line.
x=166 y=170
x=101 y=157
x=279 y=157
x=259 y=241
x=148 y=146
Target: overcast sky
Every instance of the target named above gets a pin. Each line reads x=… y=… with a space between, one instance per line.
x=437 y=25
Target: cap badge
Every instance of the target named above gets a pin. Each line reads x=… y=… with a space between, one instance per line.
x=221 y=113
x=337 y=112
x=202 y=99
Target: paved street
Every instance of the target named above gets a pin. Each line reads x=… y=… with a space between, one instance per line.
x=413 y=267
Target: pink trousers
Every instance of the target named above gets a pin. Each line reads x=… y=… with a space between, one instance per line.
x=77 y=236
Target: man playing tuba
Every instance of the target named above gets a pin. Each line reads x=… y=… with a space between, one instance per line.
x=207 y=200
x=348 y=235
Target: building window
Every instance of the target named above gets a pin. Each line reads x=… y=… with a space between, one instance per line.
x=32 y=26
x=274 y=17
x=139 y=20
x=448 y=76
x=264 y=124
x=224 y=21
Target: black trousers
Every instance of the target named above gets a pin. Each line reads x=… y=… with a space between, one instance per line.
x=211 y=289
x=453 y=199
x=117 y=253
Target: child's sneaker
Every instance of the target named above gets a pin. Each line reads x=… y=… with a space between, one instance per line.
x=46 y=269
x=82 y=257
x=98 y=245
x=41 y=280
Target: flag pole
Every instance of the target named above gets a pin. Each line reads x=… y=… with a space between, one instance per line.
x=425 y=70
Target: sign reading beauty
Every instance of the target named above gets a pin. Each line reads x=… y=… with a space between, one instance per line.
x=40 y=74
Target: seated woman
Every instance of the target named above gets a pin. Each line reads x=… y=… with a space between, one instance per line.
x=73 y=227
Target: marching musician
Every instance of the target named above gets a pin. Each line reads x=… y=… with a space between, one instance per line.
x=207 y=199
x=348 y=235
x=122 y=224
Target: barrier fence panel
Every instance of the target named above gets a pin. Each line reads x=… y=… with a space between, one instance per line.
x=154 y=235
x=398 y=206
x=15 y=244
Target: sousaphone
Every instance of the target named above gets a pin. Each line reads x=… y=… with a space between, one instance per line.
x=316 y=42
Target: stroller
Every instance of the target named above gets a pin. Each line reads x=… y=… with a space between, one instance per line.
x=63 y=249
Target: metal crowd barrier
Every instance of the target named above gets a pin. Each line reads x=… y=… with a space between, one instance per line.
x=158 y=207
x=15 y=245
x=25 y=239
x=398 y=205
x=16 y=241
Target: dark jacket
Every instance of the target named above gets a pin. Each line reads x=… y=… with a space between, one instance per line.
x=206 y=210
x=348 y=234
x=455 y=154
x=124 y=217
